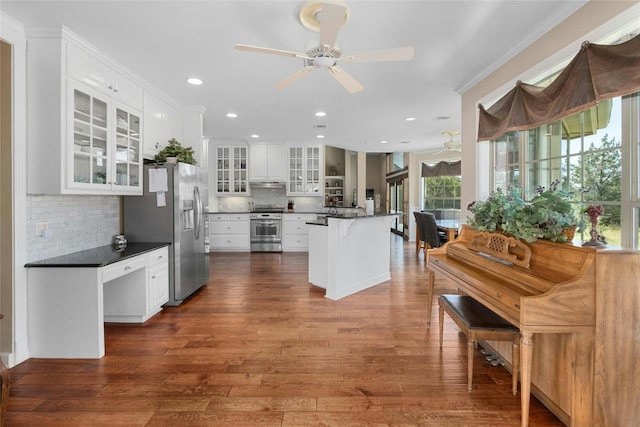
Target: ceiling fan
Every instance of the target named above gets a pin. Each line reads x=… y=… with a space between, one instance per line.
x=451 y=146
x=331 y=17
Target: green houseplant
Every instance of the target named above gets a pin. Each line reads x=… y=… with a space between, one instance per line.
x=550 y=214
x=175 y=149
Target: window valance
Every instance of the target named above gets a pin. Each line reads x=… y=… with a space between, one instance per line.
x=597 y=72
x=442 y=169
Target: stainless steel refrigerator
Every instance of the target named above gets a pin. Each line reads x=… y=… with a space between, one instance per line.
x=177 y=216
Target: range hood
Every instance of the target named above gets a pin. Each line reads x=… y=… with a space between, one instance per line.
x=267 y=184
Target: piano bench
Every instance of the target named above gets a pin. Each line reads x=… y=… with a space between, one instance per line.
x=477 y=322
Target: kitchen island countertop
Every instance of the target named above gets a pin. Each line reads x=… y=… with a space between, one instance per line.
x=98 y=257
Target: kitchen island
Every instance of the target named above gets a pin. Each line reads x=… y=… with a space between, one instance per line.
x=349 y=253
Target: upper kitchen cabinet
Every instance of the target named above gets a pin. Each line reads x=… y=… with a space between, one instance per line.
x=85 y=67
x=162 y=121
x=84 y=136
x=231 y=170
x=266 y=162
x=305 y=167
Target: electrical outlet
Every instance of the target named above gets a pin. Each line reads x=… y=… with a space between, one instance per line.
x=41 y=227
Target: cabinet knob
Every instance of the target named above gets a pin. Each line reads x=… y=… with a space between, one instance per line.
x=127 y=268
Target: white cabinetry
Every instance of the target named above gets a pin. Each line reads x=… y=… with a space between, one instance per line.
x=304 y=170
x=137 y=298
x=231 y=171
x=86 y=67
x=157 y=279
x=162 y=122
x=69 y=305
x=84 y=136
x=229 y=232
x=266 y=162
x=295 y=232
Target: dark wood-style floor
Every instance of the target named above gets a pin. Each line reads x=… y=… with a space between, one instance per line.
x=259 y=346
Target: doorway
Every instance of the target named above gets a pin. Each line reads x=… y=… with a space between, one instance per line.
x=397 y=188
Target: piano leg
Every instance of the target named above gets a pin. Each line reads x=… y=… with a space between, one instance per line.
x=430 y=297
x=515 y=361
x=526 y=353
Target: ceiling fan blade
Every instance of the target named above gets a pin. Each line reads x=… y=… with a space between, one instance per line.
x=395 y=54
x=331 y=19
x=345 y=79
x=271 y=51
x=295 y=76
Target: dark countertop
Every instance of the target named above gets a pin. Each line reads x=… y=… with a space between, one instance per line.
x=98 y=257
x=346 y=216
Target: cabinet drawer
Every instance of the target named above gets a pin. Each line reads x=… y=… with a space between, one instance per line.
x=122 y=268
x=295 y=241
x=230 y=241
x=229 y=227
x=228 y=217
x=295 y=227
x=159 y=256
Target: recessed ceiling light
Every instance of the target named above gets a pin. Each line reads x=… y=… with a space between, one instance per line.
x=410 y=119
x=232 y=115
x=319 y=136
x=384 y=141
x=255 y=135
x=194 y=81
x=321 y=114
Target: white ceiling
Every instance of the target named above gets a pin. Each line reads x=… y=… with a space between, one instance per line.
x=456 y=44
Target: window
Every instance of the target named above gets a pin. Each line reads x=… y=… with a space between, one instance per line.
x=585 y=153
x=441 y=192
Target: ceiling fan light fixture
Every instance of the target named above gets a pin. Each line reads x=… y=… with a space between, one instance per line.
x=324 y=62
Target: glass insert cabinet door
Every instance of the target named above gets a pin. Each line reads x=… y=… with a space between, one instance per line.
x=296 y=160
x=127 y=149
x=313 y=170
x=90 y=135
x=223 y=169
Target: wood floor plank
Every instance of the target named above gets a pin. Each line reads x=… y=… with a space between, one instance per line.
x=259 y=346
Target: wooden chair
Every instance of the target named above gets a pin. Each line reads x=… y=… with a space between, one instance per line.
x=477 y=322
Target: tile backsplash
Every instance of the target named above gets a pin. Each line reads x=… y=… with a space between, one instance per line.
x=75 y=223
x=265 y=196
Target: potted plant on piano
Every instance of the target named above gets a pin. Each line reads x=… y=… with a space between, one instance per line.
x=550 y=214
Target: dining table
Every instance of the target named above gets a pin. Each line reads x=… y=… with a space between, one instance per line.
x=449 y=226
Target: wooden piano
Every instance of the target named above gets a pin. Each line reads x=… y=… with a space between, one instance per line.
x=582 y=306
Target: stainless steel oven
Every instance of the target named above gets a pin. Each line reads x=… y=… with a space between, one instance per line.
x=266 y=231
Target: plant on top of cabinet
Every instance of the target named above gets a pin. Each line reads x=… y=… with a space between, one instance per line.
x=175 y=149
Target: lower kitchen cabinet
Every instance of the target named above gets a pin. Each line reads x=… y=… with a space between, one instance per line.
x=229 y=232
x=70 y=297
x=158 y=279
x=295 y=233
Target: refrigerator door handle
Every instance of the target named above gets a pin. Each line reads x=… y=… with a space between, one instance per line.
x=198 y=212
